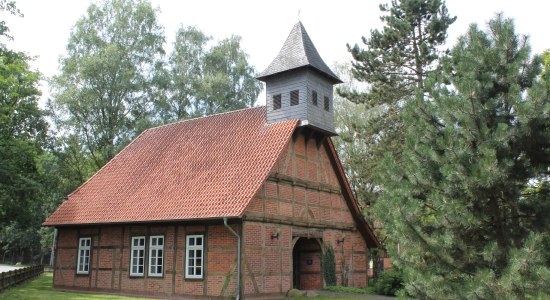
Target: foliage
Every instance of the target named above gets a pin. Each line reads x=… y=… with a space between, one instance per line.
x=353 y=148
x=22 y=135
x=389 y=282
x=469 y=195
x=206 y=81
x=392 y=67
x=109 y=77
x=41 y=288
x=10 y=7
x=23 y=132
x=546 y=63
x=329 y=265
x=399 y=58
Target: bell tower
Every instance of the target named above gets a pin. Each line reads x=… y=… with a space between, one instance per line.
x=299 y=84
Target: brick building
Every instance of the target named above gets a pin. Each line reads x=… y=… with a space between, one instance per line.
x=199 y=208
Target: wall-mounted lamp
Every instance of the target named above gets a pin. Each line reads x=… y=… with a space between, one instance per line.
x=276 y=234
x=338 y=242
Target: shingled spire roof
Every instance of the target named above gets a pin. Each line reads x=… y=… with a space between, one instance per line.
x=297 y=52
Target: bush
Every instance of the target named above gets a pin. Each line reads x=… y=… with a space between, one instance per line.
x=329 y=266
x=389 y=282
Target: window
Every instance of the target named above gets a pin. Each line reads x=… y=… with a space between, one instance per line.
x=327 y=103
x=137 y=261
x=294 y=97
x=276 y=101
x=194 y=256
x=314 y=98
x=84 y=246
x=156 y=249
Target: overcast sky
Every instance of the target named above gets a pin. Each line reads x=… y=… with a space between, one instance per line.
x=263 y=25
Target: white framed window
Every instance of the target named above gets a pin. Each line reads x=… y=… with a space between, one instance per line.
x=156 y=255
x=84 y=246
x=194 y=255
x=137 y=260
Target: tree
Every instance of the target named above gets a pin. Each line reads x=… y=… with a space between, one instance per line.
x=353 y=147
x=206 y=81
x=546 y=62
x=228 y=81
x=109 y=77
x=23 y=133
x=8 y=6
x=22 y=138
x=394 y=65
x=469 y=197
x=185 y=64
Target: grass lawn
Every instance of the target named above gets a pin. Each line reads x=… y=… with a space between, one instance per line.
x=41 y=288
x=323 y=298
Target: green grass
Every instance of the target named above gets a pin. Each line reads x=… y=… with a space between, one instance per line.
x=323 y=298
x=40 y=288
x=348 y=289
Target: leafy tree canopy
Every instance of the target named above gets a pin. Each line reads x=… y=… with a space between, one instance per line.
x=203 y=80
x=23 y=136
x=109 y=77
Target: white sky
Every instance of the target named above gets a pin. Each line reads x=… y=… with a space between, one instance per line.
x=263 y=25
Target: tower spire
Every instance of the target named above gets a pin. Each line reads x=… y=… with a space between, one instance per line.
x=299 y=84
x=298 y=51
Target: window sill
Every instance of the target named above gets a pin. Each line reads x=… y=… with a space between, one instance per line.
x=194 y=278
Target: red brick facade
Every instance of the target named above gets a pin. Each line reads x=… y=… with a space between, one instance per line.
x=299 y=209
x=301 y=202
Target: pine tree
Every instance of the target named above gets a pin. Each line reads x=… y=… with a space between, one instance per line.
x=394 y=65
x=470 y=197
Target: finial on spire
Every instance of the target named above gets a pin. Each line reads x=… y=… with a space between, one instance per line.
x=299 y=15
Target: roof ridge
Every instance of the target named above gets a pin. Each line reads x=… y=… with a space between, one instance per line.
x=208 y=116
x=153 y=128
x=188 y=166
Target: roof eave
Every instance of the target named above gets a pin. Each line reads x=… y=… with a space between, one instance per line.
x=363 y=227
x=333 y=78
x=207 y=219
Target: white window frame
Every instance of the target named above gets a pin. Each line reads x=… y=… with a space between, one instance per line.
x=191 y=254
x=84 y=253
x=154 y=256
x=139 y=249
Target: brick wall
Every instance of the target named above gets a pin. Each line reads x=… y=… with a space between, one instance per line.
x=110 y=261
x=301 y=198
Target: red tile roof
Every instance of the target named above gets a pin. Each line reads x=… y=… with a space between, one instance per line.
x=203 y=168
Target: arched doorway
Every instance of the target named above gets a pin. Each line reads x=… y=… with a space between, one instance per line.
x=306 y=264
